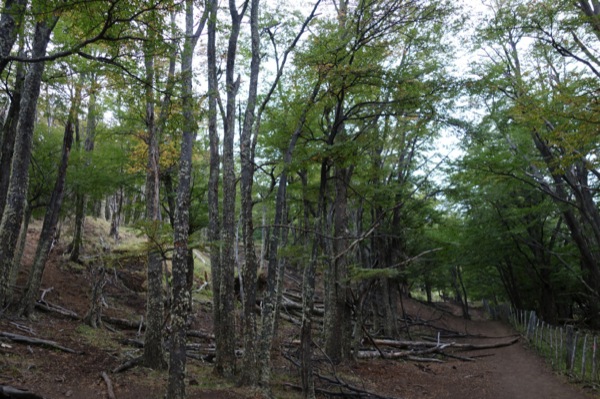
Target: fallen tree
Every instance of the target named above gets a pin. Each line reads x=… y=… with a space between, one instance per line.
x=36 y=341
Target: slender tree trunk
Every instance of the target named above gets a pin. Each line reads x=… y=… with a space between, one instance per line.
x=80 y=197
x=214 y=235
x=249 y=371
x=308 y=292
x=19 y=179
x=47 y=235
x=183 y=262
x=269 y=308
x=154 y=356
x=225 y=340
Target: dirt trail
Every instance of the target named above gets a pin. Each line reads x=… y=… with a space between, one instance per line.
x=516 y=372
x=512 y=372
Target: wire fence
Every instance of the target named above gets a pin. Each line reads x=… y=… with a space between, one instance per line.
x=570 y=350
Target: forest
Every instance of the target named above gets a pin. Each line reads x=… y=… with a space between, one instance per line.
x=363 y=151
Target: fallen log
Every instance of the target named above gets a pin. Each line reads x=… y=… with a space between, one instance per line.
x=200 y=334
x=8 y=392
x=36 y=341
x=427 y=344
x=364 y=354
x=124 y=323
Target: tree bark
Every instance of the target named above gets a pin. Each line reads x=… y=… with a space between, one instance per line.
x=308 y=292
x=214 y=235
x=19 y=179
x=10 y=25
x=338 y=316
x=9 y=133
x=154 y=356
x=250 y=371
x=183 y=261
x=225 y=340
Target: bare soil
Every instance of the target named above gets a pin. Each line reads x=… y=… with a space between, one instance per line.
x=511 y=372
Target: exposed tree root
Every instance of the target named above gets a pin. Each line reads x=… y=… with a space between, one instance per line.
x=109 y=386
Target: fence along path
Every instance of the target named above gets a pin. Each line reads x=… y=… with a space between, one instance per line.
x=516 y=371
x=571 y=352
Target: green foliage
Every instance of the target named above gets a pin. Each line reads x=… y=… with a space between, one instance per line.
x=358 y=274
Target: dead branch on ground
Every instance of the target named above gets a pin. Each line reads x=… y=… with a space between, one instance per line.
x=128 y=364
x=53 y=308
x=36 y=341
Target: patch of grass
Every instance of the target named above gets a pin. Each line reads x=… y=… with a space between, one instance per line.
x=97 y=337
x=203 y=377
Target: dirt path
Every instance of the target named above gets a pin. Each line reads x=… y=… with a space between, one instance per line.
x=511 y=372
x=516 y=372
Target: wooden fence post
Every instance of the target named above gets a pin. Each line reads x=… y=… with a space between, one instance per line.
x=531 y=326
x=583 y=350
x=594 y=370
x=570 y=351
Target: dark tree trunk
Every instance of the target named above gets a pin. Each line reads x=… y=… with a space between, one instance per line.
x=585 y=229
x=225 y=340
x=308 y=292
x=9 y=133
x=47 y=235
x=19 y=179
x=154 y=356
x=338 y=316
x=10 y=25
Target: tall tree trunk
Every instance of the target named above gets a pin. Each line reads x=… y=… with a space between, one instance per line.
x=270 y=303
x=154 y=356
x=47 y=235
x=338 y=316
x=19 y=179
x=183 y=262
x=249 y=371
x=225 y=339
x=214 y=235
x=308 y=292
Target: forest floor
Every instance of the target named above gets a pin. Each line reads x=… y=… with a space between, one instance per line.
x=510 y=372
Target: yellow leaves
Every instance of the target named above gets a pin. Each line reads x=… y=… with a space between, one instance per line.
x=168 y=150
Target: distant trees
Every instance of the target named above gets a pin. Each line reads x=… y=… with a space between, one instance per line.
x=538 y=79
